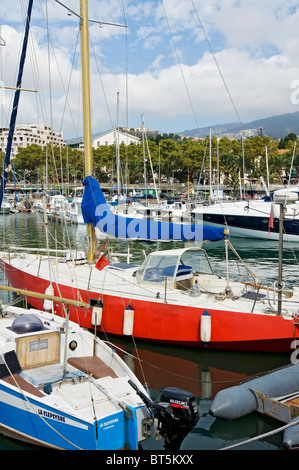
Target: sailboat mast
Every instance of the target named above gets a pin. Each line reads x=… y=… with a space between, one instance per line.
x=15 y=107
x=86 y=112
x=117 y=149
x=211 y=190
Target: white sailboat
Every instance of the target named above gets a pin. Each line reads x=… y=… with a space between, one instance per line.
x=6 y=207
x=74 y=212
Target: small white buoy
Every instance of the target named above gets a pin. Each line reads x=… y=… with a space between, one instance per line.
x=128 y=321
x=205 y=327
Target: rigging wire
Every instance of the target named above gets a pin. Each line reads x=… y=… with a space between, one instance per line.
x=180 y=65
x=65 y=90
x=221 y=74
x=262 y=436
x=126 y=87
x=101 y=81
x=127 y=179
x=68 y=87
x=217 y=65
x=49 y=64
x=40 y=100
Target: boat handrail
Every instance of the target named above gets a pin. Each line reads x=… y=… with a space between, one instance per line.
x=38 y=249
x=27 y=293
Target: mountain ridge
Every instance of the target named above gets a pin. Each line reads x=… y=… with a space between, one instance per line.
x=275 y=127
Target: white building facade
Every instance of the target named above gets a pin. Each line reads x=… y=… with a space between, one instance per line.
x=114 y=137
x=29 y=134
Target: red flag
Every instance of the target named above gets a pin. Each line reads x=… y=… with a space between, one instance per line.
x=102 y=261
x=104 y=247
x=271 y=219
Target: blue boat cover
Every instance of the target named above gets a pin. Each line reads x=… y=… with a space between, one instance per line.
x=96 y=211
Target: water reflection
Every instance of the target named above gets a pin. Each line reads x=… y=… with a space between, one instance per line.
x=203 y=373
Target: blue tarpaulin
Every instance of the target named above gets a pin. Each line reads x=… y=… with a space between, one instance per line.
x=96 y=211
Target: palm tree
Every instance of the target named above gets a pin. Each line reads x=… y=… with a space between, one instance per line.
x=234 y=181
x=135 y=169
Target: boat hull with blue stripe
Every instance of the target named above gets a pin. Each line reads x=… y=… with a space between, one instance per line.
x=29 y=420
x=85 y=403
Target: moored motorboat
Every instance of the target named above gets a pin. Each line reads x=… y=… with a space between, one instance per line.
x=63 y=388
x=251 y=219
x=6 y=207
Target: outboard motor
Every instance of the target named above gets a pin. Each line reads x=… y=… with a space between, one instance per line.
x=175 y=414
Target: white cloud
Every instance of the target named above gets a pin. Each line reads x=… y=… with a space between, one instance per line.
x=255 y=44
x=158 y=61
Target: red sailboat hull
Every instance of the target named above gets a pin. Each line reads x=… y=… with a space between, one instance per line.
x=168 y=323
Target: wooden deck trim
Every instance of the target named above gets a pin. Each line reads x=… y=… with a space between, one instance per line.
x=23 y=384
x=92 y=365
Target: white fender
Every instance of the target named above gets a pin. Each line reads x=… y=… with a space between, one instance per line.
x=128 y=321
x=205 y=327
x=48 y=304
x=97 y=313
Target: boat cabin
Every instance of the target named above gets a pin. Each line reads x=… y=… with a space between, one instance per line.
x=35 y=344
x=177 y=267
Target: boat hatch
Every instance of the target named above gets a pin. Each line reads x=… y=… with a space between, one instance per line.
x=122 y=266
x=174 y=266
x=38 y=350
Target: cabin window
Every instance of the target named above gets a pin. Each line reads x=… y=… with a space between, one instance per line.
x=198 y=260
x=156 y=268
x=38 y=345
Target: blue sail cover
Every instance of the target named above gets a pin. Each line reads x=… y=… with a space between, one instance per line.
x=96 y=211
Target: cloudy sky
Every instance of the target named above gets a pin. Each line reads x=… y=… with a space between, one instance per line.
x=179 y=64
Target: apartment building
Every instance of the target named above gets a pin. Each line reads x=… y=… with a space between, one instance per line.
x=30 y=134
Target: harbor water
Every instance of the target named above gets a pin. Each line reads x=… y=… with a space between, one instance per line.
x=202 y=372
